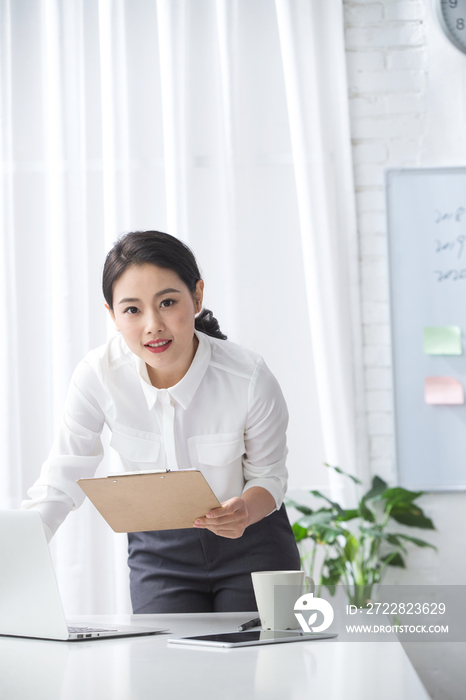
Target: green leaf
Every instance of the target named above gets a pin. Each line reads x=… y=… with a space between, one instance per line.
x=340 y=471
x=375 y=493
x=348 y=515
x=366 y=513
x=411 y=515
x=351 y=548
x=334 y=565
x=320 y=518
x=393 y=539
x=394 y=560
x=326 y=535
x=376 y=490
x=400 y=495
x=332 y=503
x=300 y=533
x=377 y=534
x=335 y=569
x=417 y=541
x=372 y=531
x=332 y=579
x=323 y=534
x=302 y=509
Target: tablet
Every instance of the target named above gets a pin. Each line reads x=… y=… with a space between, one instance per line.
x=245 y=639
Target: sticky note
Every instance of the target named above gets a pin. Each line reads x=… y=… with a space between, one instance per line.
x=442 y=340
x=443 y=390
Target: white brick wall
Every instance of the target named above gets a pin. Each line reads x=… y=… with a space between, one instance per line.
x=407 y=93
x=386 y=35
x=386 y=59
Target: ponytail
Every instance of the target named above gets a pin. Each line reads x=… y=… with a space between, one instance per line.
x=208 y=324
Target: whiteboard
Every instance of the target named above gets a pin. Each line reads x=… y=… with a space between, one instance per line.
x=426 y=210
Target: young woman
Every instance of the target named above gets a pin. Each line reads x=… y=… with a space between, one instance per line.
x=176 y=394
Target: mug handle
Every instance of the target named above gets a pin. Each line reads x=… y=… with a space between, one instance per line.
x=310 y=583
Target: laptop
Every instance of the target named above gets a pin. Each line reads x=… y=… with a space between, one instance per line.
x=30 y=603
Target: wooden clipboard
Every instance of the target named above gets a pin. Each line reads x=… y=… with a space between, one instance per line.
x=159 y=500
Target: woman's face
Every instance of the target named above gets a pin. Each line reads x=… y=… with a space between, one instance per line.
x=154 y=311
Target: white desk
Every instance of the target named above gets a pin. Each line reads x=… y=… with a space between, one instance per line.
x=145 y=668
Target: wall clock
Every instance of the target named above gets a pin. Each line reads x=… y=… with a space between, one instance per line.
x=452 y=17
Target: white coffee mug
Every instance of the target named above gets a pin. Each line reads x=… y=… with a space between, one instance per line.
x=276 y=593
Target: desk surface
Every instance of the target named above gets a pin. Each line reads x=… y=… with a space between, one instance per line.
x=138 y=668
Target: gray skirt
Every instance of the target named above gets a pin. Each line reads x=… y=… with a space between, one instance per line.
x=181 y=571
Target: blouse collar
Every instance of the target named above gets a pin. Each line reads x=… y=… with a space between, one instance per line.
x=184 y=390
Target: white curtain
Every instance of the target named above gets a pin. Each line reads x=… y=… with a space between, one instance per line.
x=223 y=122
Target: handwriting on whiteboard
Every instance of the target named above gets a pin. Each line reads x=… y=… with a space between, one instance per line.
x=449 y=215
x=454 y=245
x=453 y=275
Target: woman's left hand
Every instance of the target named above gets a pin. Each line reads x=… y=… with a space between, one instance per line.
x=230 y=520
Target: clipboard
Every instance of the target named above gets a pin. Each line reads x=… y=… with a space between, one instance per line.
x=156 y=500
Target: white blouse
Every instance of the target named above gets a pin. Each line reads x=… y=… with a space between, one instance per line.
x=226 y=417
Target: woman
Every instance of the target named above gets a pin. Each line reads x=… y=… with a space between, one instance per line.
x=176 y=394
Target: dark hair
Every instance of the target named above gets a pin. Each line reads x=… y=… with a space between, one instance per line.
x=163 y=250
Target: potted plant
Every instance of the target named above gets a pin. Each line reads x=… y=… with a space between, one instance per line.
x=357 y=546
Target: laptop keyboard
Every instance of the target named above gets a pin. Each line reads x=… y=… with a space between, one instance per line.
x=87 y=630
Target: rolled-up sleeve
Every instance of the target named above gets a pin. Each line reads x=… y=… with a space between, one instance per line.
x=76 y=452
x=264 y=463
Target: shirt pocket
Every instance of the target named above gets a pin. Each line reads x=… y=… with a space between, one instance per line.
x=217 y=450
x=137 y=449
x=219 y=458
